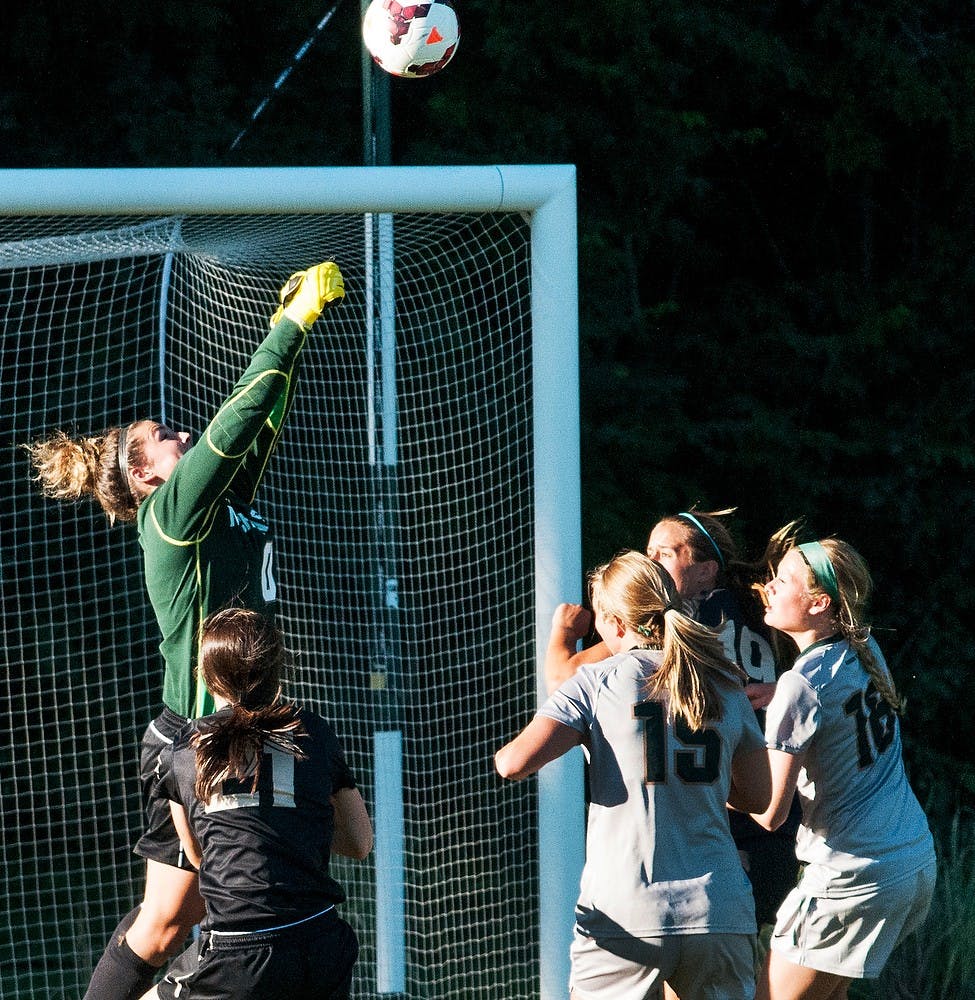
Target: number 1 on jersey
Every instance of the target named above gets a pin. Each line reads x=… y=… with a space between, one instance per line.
x=875 y=722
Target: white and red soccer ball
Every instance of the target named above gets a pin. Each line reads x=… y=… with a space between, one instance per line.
x=411 y=39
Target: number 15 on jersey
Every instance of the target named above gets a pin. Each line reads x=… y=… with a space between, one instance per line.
x=696 y=759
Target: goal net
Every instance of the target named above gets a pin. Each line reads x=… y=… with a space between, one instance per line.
x=424 y=497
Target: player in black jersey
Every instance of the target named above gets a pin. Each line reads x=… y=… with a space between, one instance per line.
x=205 y=547
x=261 y=795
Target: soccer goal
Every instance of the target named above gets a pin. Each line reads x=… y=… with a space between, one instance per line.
x=425 y=497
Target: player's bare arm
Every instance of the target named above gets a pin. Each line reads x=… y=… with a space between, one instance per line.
x=191 y=845
x=759 y=695
x=784 y=769
x=751 y=781
x=541 y=741
x=353 y=829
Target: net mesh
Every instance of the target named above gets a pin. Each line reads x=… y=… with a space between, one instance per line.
x=407 y=587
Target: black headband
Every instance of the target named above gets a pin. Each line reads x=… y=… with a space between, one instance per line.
x=123 y=458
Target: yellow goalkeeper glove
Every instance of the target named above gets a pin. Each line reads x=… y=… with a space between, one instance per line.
x=306 y=293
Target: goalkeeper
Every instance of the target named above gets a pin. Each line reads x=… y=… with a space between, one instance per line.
x=205 y=547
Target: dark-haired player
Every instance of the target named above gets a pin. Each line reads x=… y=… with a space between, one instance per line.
x=262 y=795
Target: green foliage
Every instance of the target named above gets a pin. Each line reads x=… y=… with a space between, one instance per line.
x=937 y=962
x=776 y=221
x=110 y=84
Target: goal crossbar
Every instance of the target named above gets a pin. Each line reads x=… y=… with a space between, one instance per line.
x=178 y=190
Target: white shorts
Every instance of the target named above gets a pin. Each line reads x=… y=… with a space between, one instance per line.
x=852 y=936
x=696 y=966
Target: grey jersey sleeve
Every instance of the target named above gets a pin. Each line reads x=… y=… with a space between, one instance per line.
x=793 y=715
x=574 y=703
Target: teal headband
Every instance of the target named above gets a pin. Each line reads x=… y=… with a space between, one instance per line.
x=815 y=557
x=704 y=531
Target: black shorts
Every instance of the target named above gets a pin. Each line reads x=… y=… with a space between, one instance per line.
x=772 y=870
x=159 y=842
x=313 y=959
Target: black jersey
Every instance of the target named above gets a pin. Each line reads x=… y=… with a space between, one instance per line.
x=265 y=854
x=746 y=642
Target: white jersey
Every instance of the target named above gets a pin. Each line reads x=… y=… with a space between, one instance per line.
x=862 y=825
x=659 y=854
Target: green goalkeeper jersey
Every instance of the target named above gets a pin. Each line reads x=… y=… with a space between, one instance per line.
x=205 y=546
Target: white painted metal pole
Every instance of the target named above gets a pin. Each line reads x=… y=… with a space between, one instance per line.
x=387 y=317
x=388 y=848
x=236 y=190
x=558 y=568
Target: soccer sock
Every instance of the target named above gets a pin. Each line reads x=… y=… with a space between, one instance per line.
x=120 y=973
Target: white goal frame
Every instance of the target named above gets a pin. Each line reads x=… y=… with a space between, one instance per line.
x=546 y=194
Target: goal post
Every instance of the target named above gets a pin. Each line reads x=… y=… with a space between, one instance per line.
x=557 y=573
x=426 y=498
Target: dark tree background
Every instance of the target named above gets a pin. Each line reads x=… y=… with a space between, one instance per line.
x=777 y=220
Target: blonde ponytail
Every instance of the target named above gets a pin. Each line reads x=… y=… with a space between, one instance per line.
x=854 y=586
x=641 y=593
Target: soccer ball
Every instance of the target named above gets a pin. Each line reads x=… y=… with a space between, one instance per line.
x=411 y=39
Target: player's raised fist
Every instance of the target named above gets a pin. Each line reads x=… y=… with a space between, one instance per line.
x=306 y=294
x=573 y=619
